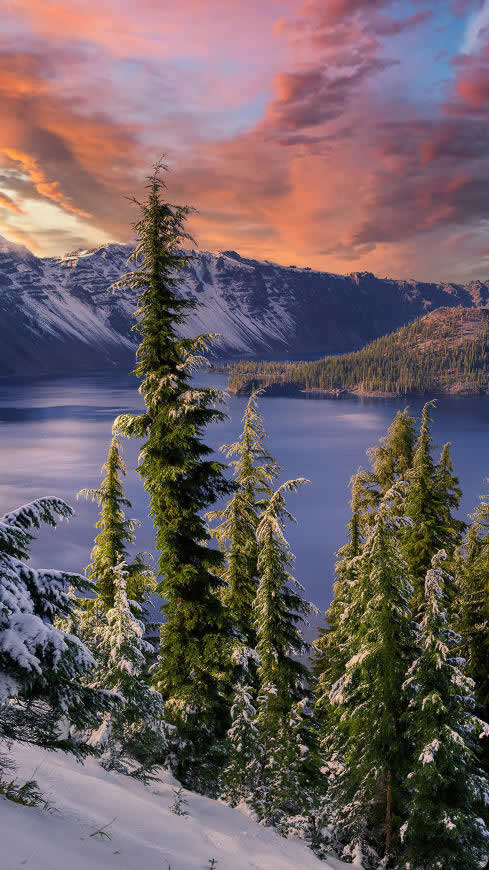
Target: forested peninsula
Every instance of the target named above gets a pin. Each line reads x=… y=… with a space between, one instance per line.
x=446 y=352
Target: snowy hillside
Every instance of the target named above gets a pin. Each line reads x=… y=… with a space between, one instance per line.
x=56 y=314
x=144 y=833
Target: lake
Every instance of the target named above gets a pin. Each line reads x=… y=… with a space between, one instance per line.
x=54 y=435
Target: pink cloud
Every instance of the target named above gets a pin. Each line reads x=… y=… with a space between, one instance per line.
x=338 y=171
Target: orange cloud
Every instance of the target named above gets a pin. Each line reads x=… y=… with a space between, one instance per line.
x=7 y=202
x=331 y=169
x=49 y=189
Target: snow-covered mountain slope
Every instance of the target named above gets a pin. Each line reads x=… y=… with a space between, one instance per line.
x=144 y=833
x=56 y=314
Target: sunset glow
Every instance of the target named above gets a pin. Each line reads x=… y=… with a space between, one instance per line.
x=341 y=134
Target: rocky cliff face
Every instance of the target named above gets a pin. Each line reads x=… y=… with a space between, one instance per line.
x=57 y=317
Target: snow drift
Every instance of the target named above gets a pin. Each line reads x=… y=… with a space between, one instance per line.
x=144 y=833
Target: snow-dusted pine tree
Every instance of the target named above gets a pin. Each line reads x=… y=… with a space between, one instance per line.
x=291 y=780
x=182 y=479
x=134 y=737
x=241 y=776
x=116 y=533
x=444 y=828
x=473 y=607
x=279 y=611
x=279 y=607
x=42 y=668
x=393 y=456
x=366 y=792
x=254 y=472
x=432 y=492
x=331 y=647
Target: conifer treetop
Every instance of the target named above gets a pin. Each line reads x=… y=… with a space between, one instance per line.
x=278 y=608
x=254 y=465
x=117 y=532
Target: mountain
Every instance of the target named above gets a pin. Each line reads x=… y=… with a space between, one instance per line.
x=444 y=352
x=56 y=316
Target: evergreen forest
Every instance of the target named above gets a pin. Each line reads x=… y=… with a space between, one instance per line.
x=371 y=745
x=446 y=351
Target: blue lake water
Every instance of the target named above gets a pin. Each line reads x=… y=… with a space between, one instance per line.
x=54 y=435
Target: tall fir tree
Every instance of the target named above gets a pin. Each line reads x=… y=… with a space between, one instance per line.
x=42 y=668
x=390 y=461
x=330 y=647
x=367 y=793
x=182 y=479
x=116 y=533
x=279 y=611
x=279 y=607
x=254 y=472
x=444 y=829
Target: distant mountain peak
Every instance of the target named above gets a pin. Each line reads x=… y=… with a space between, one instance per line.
x=56 y=316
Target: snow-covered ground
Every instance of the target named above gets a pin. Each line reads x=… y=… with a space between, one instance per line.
x=144 y=833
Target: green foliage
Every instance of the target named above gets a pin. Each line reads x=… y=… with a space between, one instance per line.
x=182 y=480
x=241 y=776
x=116 y=533
x=431 y=494
x=27 y=794
x=136 y=731
x=254 y=471
x=473 y=605
x=279 y=607
x=367 y=794
x=393 y=456
x=331 y=646
x=447 y=789
x=290 y=781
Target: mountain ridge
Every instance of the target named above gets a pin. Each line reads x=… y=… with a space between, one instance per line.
x=56 y=316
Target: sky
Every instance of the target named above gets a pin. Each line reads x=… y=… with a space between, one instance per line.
x=346 y=135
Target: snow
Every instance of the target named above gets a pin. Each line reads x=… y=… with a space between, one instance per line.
x=8 y=247
x=143 y=831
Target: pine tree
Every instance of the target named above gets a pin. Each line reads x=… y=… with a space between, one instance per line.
x=367 y=788
x=448 y=483
x=432 y=491
x=254 y=472
x=136 y=731
x=331 y=646
x=473 y=605
x=393 y=456
x=279 y=609
x=241 y=776
x=444 y=829
x=42 y=668
x=182 y=480
x=117 y=532
x=291 y=777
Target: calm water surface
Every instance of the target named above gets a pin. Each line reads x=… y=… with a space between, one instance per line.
x=54 y=436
